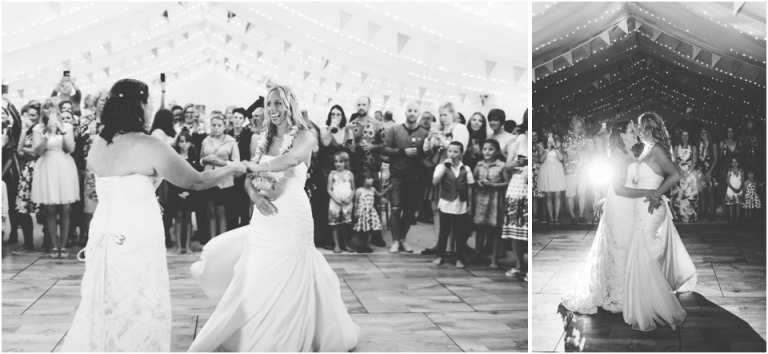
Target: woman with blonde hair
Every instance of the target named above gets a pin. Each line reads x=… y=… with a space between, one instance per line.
x=276 y=292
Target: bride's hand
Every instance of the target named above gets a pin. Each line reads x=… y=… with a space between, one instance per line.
x=264 y=206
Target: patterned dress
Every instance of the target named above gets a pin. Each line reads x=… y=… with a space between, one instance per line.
x=488 y=201
x=367 y=216
x=574 y=165
x=535 y=192
x=751 y=199
x=736 y=180
x=685 y=195
x=24 y=204
x=705 y=163
x=516 y=219
x=341 y=189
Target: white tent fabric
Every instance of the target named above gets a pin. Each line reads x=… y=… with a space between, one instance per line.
x=605 y=61
x=216 y=54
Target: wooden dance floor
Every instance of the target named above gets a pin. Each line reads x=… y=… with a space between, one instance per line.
x=725 y=313
x=402 y=302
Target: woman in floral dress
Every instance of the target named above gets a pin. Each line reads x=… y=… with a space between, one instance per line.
x=685 y=193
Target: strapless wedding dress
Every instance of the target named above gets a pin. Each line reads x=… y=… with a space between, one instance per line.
x=657 y=262
x=601 y=281
x=276 y=292
x=125 y=301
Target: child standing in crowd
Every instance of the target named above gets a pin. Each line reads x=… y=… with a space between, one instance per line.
x=751 y=199
x=488 y=199
x=183 y=201
x=454 y=180
x=341 y=188
x=735 y=194
x=516 y=220
x=365 y=212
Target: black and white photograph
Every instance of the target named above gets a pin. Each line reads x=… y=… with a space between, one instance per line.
x=304 y=176
x=648 y=176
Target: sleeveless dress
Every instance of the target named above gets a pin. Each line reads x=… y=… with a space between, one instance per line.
x=125 y=294
x=731 y=197
x=277 y=293
x=342 y=189
x=55 y=180
x=601 y=281
x=367 y=215
x=685 y=193
x=551 y=174
x=751 y=199
x=657 y=263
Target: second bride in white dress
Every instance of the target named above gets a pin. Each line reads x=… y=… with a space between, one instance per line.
x=277 y=292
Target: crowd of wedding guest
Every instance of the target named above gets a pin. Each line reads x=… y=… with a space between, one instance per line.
x=723 y=170
x=368 y=173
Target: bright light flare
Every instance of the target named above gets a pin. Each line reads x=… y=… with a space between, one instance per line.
x=599 y=173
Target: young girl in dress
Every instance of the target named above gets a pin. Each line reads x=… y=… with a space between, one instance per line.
x=488 y=196
x=751 y=199
x=341 y=188
x=735 y=194
x=516 y=219
x=365 y=211
x=183 y=201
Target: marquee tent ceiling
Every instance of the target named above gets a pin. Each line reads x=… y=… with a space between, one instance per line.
x=601 y=60
x=393 y=52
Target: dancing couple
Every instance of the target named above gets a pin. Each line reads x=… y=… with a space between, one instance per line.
x=637 y=261
x=276 y=291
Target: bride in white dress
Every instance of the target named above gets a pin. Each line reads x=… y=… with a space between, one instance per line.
x=277 y=292
x=658 y=264
x=601 y=281
x=125 y=297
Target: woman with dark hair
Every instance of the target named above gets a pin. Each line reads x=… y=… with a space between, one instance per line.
x=241 y=205
x=477 y=128
x=334 y=138
x=685 y=194
x=601 y=281
x=657 y=264
x=729 y=147
x=707 y=162
x=163 y=129
x=125 y=297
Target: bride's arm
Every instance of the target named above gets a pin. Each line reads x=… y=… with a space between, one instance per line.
x=619 y=176
x=671 y=171
x=174 y=168
x=302 y=149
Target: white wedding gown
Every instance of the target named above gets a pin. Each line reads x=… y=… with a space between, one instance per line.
x=601 y=281
x=657 y=262
x=276 y=292
x=125 y=301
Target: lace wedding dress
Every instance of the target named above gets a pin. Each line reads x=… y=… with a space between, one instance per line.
x=601 y=281
x=277 y=293
x=657 y=263
x=125 y=297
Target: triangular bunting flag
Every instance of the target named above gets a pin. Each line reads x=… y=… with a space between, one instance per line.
x=108 y=47
x=373 y=29
x=736 y=67
x=248 y=27
x=183 y=4
x=677 y=44
x=230 y=16
x=106 y=70
x=624 y=26
x=519 y=72
x=322 y=81
x=154 y=51
x=483 y=98
x=185 y=35
x=243 y=47
x=755 y=74
x=267 y=36
x=489 y=65
x=550 y=66
x=422 y=90
x=227 y=39
x=402 y=102
x=171 y=44
x=595 y=84
x=259 y=54
x=737 y=5
x=343 y=19
x=56 y=6
x=21 y=93
x=696 y=51
x=328 y=101
x=715 y=59
x=363 y=76
x=286 y=46
x=462 y=96
x=325 y=63
x=165 y=14
x=546 y=108
x=606 y=36
x=87 y=56
x=656 y=34
x=338 y=86
x=67 y=64
x=306 y=75
x=402 y=40
x=638 y=24
x=386 y=98
x=607 y=76
x=568 y=57
x=89 y=76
